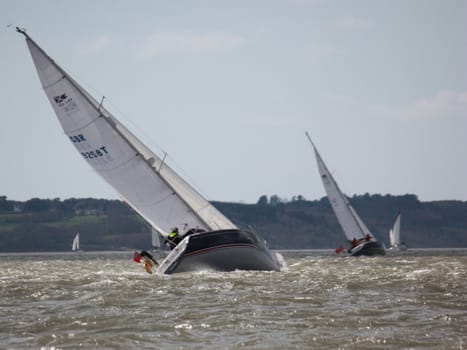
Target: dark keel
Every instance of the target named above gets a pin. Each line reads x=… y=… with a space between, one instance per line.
x=368 y=248
x=225 y=250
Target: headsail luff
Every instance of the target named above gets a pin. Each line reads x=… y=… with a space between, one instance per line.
x=351 y=223
x=146 y=183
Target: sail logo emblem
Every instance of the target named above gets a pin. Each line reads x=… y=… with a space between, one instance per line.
x=65 y=102
x=61 y=98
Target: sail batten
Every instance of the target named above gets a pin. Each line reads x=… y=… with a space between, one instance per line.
x=146 y=182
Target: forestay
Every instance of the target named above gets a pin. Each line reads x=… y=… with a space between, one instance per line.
x=347 y=217
x=142 y=178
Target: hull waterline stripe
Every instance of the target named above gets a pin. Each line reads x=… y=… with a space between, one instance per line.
x=224 y=246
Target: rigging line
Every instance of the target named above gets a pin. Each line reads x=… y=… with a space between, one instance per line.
x=162 y=163
x=186 y=177
x=149 y=143
x=100 y=104
x=45 y=87
x=146 y=140
x=141 y=132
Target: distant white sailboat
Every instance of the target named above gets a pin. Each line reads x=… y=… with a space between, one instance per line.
x=75 y=245
x=147 y=183
x=395 y=236
x=355 y=230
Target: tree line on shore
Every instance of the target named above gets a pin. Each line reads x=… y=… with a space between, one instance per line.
x=50 y=224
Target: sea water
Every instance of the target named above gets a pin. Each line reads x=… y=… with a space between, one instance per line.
x=415 y=300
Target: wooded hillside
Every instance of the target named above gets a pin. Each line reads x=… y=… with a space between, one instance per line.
x=50 y=224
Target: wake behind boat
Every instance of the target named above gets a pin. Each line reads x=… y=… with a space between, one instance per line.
x=157 y=193
x=359 y=236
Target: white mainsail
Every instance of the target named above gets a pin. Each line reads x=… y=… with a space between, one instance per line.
x=75 y=245
x=143 y=179
x=351 y=223
x=395 y=232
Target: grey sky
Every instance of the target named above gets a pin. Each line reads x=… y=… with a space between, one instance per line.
x=228 y=88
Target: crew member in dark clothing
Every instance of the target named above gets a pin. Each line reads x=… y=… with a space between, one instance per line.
x=194 y=230
x=174 y=238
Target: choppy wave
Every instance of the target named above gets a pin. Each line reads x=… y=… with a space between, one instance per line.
x=409 y=301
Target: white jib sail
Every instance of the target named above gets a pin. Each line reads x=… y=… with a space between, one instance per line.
x=155 y=239
x=75 y=245
x=351 y=223
x=394 y=233
x=146 y=183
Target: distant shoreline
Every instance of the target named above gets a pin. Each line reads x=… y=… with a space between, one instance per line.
x=129 y=252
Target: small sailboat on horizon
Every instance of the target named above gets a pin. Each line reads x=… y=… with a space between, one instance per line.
x=357 y=233
x=147 y=183
x=75 y=244
x=395 y=236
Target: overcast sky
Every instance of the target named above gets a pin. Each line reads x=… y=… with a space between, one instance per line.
x=227 y=89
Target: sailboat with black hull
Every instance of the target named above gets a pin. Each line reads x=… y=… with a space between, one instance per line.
x=147 y=183
x=359 y=236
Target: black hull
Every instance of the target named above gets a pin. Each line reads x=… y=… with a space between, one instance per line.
x=224 y=250
x=370 y=248
x=397 y=248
